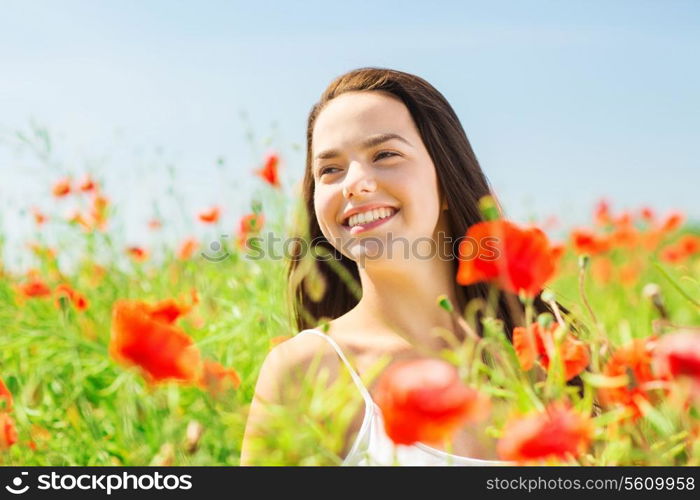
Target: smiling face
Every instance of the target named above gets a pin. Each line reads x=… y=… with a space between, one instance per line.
x=367 y=153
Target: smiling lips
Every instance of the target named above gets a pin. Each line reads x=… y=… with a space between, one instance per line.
x=358 y=223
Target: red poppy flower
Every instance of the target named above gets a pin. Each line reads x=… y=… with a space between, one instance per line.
x=251 y=223
x=269 y=172
x=558 y=433
x=8 y=432
x=516 y=259
x=537 y=344
x=603 y=216
x=145 y=335
x=218 y=379
x=35 y=288
x=633 y=360
x=210 y=216
x=78 y=300
x=187 y=248
x=87 y=185
x=672 y=254
x=5 y=397
x=678 y=355
x=424 y=400
x=154 y=224
x=39 y=216
x=687 y=246
x=689 y=243
x=625 y=234
x=61 y=188
x=648 y=215
x=137 y=253
x=587 y=242
x=672 y=222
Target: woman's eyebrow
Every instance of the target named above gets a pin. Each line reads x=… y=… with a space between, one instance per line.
x=370 y=142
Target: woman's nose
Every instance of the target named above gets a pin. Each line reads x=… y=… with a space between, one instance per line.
x=359 y=180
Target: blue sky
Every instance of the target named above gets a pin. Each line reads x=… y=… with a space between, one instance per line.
x=564 y=102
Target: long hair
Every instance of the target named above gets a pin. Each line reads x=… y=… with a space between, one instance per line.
x=460 y=179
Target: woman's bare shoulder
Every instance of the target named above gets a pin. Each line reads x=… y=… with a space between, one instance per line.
x=300 y=348
x=292 y=359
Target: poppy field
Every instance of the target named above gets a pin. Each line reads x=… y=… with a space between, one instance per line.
x=120 y=353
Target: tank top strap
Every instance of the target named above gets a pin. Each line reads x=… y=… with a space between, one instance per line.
x=355 y=377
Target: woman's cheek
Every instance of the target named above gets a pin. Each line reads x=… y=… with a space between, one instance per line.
x=327 y=223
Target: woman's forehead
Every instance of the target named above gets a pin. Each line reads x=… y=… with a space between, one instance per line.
x=353 y=117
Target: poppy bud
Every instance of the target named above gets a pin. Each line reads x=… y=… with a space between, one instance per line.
x=445 y=303
x=488 y=208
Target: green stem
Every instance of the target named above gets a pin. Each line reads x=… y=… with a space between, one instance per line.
x=584 y=298
x=528 y=312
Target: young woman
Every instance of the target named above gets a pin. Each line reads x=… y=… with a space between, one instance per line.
x=391 y=185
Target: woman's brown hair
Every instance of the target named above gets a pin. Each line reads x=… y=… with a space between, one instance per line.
x=460 y=179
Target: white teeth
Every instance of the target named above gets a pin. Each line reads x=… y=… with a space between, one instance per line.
x=371 y=216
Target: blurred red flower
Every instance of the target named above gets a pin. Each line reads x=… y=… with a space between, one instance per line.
x=560 y=432
x=588 y=242
x=251 y=223
x=87 y=185
x=536 y=343
x=210 y=216
x=154 y=224
x=187 y=248
x=624 y=233
x=8 y=432
x=39 y=217
x=518 y=259
x=648 y=215
x=137 y=253
x=678 y=355
x=689 y=243
x=634 y=361
x=603 y=216
x=424 y=400
x=79 y=301
x=217 y=379
x=687 y=246
x=61 y=188
x=269 y=172
x=5 y=397
x=35 y=288
x=672 y=222
x=145 y=335
x=672 y=254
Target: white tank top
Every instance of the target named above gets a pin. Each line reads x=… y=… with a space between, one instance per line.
x=373 y=447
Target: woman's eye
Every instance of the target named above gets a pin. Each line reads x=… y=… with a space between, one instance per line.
x=325 y=170
x=384 y=153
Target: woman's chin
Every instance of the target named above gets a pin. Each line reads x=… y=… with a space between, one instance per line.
x=373 y=256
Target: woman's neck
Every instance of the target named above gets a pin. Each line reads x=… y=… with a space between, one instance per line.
x=405 y=301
